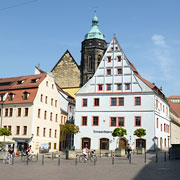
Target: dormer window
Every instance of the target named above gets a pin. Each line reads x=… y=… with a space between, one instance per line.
x=20 y=82
x=11 y=96
x=25 y=95
x=34 y=80
x=109 y=59
x=1 y=98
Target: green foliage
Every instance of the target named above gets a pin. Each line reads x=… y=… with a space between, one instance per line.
x=71 y=129
x=120 y=132
x=5 y=132
x=140 y=132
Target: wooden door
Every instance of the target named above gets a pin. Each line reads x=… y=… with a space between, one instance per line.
x=122 y=143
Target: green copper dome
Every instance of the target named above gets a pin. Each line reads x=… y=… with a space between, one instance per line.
x=94 y=31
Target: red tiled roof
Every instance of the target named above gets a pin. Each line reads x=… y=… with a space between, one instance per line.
x=10 y=85
x=175 y=108
x=174 y=97
x=152 y=86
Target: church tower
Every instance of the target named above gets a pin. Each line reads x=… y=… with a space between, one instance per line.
x=92 y=51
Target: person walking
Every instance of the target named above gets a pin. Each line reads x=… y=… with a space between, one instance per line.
x=10 y=154
x=128 y=151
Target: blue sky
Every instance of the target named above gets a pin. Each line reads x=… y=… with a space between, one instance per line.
x=36 y=32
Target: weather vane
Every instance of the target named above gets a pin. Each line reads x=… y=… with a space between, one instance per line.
x=95 y=9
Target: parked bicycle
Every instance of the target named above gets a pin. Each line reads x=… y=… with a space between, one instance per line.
x=91 y=157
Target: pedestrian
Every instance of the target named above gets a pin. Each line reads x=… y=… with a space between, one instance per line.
x=128 y=151
x=10 y=154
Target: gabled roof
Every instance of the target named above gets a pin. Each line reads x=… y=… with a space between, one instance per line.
x=175 y=107
x=17 y=86
x=67 y=52
x=113 y=51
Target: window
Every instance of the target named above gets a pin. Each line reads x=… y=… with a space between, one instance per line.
x=164 y=127
x=25 y=95
x=96 y=101
x=112 y=48
x=34 y=80
x=1 y=98
x=41 y=98
x=99 y=60
x=157 y=123
x=6 y=112
x=54 y=145
x=51 y=116
x=120 y=121
x=70 y=108
x=108 y=87
x=50 y=130
x=119 y=71
x=161 y=127
x=44 y=132
x=9 y=128
x=55 y=133
x=26 y=112
x=47 y=83
x=84 y=102
x=37 y=131
x=55 y=103
x=46 y=99
x=137 y=101
x=49 y=145
x=95 y=121
x=119 y=86
x=11 y=96
x=5 y=127
x=163 y=108
x=121 y=101
x=113 y=101
x=108 y=71
x=104 y=144
x=116 y=48
x=127 y=86
x=89 y=58
x=84 y=121
x=61 y=119
x=19 y=112
x=17 y=130
x=11 y=112
x=156 y=103
x=24 y=130
x=39 y=113
x=51 y=101
x=56 y=118
x=100 y=87
x=137 y=121
x=45 y=114
x=109 y=59
x=20 y=82
x=52 y=86
x=113 y=121
x=0 y=112
x=118 y=58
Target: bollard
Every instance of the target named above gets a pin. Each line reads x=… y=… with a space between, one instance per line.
x=145 y=157
x=27 y=160
x=113 y=160
x=94 y=161
x=76 y=160
x=129 y=158
x=100 y=154
x=59 y=160
x=42 y=159
x=156 y=157
x=12 y=160
x=52 y=156
x=111 y=153
x=164 y=156
x=21 y=156
x=37 y=156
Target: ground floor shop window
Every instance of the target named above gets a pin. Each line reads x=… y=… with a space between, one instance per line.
x=140 y=143
x=104 y=144
x=86 y=142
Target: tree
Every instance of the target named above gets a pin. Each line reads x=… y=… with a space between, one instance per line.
x=140 y=132
x=120 y=132
x=71 y=129
x=5 y=132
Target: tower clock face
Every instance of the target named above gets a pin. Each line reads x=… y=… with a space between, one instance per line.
x=99 y=44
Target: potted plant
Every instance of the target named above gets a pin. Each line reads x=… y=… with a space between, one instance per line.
x=140 y=133
x=119 y=132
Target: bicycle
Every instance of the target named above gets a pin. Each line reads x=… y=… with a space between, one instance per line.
x=32 y=157
x=91 y=157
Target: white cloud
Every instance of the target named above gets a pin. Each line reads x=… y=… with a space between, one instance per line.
x=159 y=40
x=162 y=55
